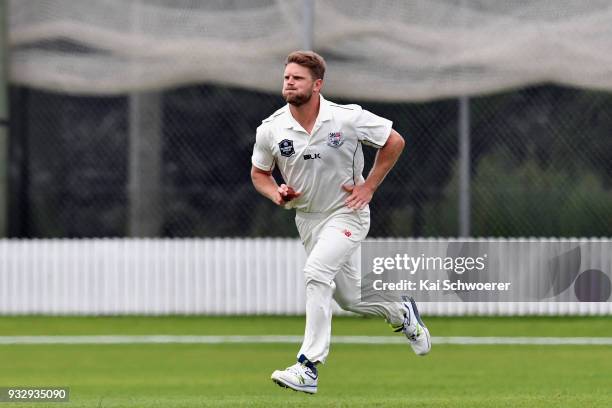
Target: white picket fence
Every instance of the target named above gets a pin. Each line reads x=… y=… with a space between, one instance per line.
x=186 y=276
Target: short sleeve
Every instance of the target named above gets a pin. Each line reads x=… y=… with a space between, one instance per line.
x=262 y=158
x=371 y=129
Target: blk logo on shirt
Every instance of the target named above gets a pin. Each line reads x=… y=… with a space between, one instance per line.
x=312 y=156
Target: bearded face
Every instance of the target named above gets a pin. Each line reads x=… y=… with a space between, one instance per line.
x=298 y=84
x=295 y=97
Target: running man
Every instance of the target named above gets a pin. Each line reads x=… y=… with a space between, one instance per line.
x=317 y=146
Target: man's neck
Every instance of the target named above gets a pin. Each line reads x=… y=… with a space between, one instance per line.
x=306 y=114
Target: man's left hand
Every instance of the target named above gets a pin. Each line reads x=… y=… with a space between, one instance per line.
x=361 y=195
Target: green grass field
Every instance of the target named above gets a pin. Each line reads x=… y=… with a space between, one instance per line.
x=203 y=375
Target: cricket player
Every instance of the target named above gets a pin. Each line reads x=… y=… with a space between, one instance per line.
x=317 y=146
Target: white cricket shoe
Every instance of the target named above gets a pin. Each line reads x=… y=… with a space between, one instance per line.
x=414 y=329
x=298 y=377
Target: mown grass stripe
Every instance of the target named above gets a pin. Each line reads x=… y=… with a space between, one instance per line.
x=186 y=339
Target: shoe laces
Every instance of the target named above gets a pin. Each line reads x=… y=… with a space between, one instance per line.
x=297 y=368
x=301 y=370
x=414 y=335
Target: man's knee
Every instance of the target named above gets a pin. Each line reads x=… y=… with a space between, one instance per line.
x=319 y=295
x=320 y=285
x=318 y=275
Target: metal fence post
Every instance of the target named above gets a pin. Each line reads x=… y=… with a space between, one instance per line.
x=464 y=166
x=144 y=158
x=308 y=40
x=4 y=114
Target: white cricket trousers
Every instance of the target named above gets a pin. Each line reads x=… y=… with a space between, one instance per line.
x=332 y=270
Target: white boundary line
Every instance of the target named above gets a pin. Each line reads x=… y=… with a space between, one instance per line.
x=174 y=339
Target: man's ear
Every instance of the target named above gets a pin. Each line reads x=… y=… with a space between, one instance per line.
x=318 y=84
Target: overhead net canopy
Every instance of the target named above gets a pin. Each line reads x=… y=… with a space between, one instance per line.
x=382 y=50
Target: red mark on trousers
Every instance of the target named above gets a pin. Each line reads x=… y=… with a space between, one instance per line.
x=347 y=233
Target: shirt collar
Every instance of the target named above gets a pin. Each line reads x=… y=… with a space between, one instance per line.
x=324 y=110
x=324 y=114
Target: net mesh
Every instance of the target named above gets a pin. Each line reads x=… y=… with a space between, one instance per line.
x=388 y=50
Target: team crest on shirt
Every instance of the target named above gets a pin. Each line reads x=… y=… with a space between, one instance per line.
x=335 y=139
x=286 y=148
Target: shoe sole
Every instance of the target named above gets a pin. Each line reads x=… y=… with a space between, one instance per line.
x=280 y=383
x=415 y=310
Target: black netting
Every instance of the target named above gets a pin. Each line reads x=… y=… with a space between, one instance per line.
x=541 y=165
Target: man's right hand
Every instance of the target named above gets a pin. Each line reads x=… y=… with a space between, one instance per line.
x=266 y=185
x=285 y=194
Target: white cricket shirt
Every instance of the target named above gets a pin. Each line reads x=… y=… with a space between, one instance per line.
x=317 y=165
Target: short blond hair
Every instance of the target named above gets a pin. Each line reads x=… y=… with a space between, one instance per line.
x=309 y=59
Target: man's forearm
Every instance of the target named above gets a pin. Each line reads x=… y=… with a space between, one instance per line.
x=385 y=159
x=265 y=184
